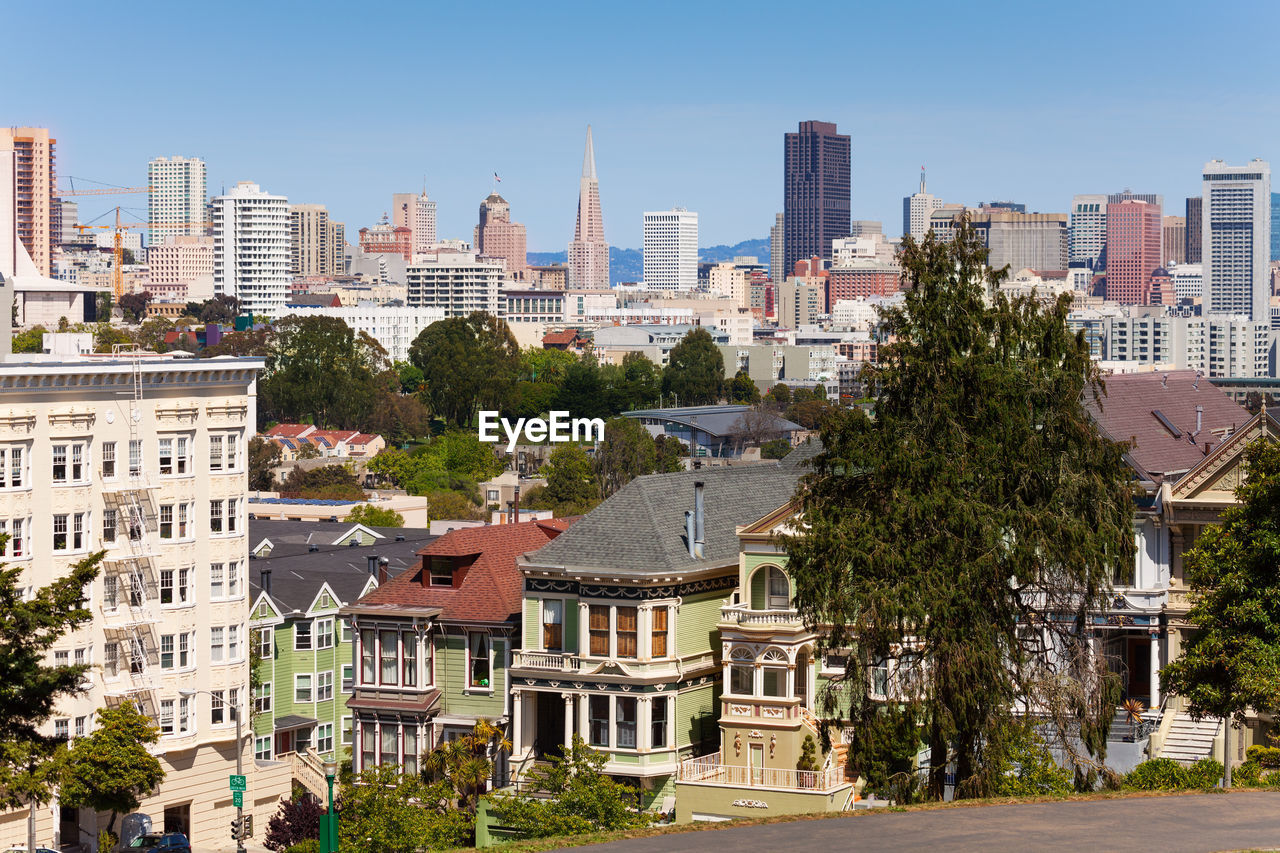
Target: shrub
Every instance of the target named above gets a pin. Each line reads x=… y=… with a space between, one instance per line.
x=1029 y=769
x=1265 y=756
x=1158 y=774
x=1247 y=775
x=1205 y=773
x=311 y=845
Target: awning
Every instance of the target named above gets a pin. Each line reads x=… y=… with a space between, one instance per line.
x=294 y=721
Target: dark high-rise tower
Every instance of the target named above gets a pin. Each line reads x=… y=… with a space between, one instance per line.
x=815 y=192
x=1192 y=253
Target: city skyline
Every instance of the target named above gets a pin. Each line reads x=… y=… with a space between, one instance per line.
x=707 y=136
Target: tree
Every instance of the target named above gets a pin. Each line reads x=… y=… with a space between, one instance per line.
x=411 y=378
x=466 y=762
x=571 y=488
x=375 y=516
x=808 y=412
x=695 y=370
x=780 y=396
x=328 y=482
x=223 y=308
x=468 y=362
x=574 y=796
x=545 y=365
x=641 y=383
x=627 y=452
x=775 y=448
x=398 y=417
x=151 y=334
x=133 y=306
x=582 y=393
x=453 y=506
x=107 y=336
x=320 y=371
x=742 y=389
x=980 y=500
x=30 y=340
x=296 y=820
x=102 y=305
x=111 y=769
x=1232 y=663
x=264 y=457
x=253 y=342
x=668 y=451
x=383 y=811
x=753 y=428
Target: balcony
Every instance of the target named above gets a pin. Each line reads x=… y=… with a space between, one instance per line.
x=546 y=661
x=744 y=617
x=710 y=770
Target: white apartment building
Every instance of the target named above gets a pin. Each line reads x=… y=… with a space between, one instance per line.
x=777 y=249
x=732 y=281
x=251 y=248
x=393 y=326
x=1087 y=231
x=142 y=457
x=418 y=214
x=1188 y=280
x=1235 y=238
x=671 y=249
x=176 y=201
x=183 y=261
x=1218 y=345
x=916 y=210
x=459 y=283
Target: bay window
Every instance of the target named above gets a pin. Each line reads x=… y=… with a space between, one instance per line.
x=411 y=749
x=368 y=650
x=368 y=745
x=387 y=649
x=553 y=625
x=479 y=664
x=658 y=723
x=598 y=720
x=409 y=667
x=627 y=633
x=658 y=635
x=598 y=630
x=626 y=722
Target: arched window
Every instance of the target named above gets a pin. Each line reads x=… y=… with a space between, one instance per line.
x=742 y=675
x=773 y=672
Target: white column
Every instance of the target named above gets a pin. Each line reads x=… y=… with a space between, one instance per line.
x=584 y=618
x=517 y=722
x=644 y=716
x=1155 y=670
x=791 y=680
x=568 y=723
x=583 y=722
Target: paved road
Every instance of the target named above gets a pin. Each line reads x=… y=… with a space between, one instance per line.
x=1184 y=824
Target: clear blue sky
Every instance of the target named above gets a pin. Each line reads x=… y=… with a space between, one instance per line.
x=345 y=103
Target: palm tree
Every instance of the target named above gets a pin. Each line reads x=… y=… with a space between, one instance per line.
x=465 y=762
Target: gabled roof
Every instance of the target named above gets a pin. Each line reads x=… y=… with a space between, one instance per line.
x=1212 y=479
x=560 y=338
x=290 y=430
x=1157 y=412
x=640 y=530
x=493 y=588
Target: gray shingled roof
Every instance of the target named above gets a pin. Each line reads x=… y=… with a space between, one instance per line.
x=641 y=529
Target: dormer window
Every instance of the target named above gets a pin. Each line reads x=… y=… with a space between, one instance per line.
x=441 y=570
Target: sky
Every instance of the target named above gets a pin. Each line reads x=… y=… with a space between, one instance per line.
x=344 y=104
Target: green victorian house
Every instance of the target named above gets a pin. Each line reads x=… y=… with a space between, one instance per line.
x=622 y=624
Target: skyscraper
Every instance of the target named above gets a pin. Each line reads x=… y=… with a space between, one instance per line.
x=315 y=241
x=1175 y=240
x=418 y=214
x=1236 y=238
x=1193 y=253
x=776 y=248
x=588 y=251
x=1133 y=251
x=671 y=249
x=1035 y=241
x=1087 y=234
x=498 y=237
x=177 y=197
x=28 y=157
x=816 y=182
x=1275 y=226
x=916 y=209
x=251 y=248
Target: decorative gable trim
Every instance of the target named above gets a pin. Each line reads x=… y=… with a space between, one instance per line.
x=1212 y=471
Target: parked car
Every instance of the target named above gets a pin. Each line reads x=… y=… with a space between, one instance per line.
x=22 y=848
x=168 y=842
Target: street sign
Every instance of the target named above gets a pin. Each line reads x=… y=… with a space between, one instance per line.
x=237 y=799
x=237 y=783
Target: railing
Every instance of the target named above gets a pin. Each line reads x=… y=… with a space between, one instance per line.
x=743 y=615
x=708 y=769
x=308 y=769
x=555 y=661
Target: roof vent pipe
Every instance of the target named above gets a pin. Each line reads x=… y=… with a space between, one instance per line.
x=265 y=581
x=688 y=531
x=1199 y=417
x=699 y=522
x=372 y=563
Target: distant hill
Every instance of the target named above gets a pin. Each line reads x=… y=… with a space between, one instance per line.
x=628 y=264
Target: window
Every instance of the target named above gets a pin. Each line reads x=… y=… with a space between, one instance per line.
x=658 y=723
x=262 y=698
x=137 y=524
x=368 y=744
x=346 y=730
x=387 y=648
x=166 y=651
x=347 y=677
x=166 y=586
x=215 y=453
x=185 y=657
x=217 y=708
x=215 y=517
x=346 y=630
x=779 y=590
x=110 y=592
x=262 y=748
x=324 y=633
x=82 y=726
x=166 y=717
x=59 y=463
x=137 y=657
x=626 y=722
x=441 y=571
x=324 y=686
x=216 y=644
x=390 y=744
x=598 y=720
x=233 y=514
x=184 y=715
x=108 y=460
x=62 y=657
x=109 y=522
x=62 y=728
x=742 y=673
x=185 y=529
x=166 y=521
x=658 y=637
x=553 y=625
x=111 y=659
x=774 y=673
x=183 y=461
x=598 y=616
x=60 y=533
x=324 y=737
x=368 y=665
x=135 y=457
x=880 y=678
x=184 y=585
x=17 y=530
x=233 y=642
x=479 y=664
x=265 y=648
x=13 y=469
x=626 y=617
x=79 y=530
x=302 y=688
x=409 y=662
x=217 y=586
x=302 y=637
x=166 y=456
x=233 y=452
x=233 y=579
x=411 y=749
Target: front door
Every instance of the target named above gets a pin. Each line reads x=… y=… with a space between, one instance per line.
x=284 y=742
x=548 y=737
x=1139 y=665
x=757 y=764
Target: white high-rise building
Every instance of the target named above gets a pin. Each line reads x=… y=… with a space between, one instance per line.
x=457 y=282
x=418 y=214
x=251 y=247
x=1235 y=238
x=176 y=199
x=1087 y=233
x=671 y=249
x=916 y=210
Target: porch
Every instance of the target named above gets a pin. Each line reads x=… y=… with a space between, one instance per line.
x=707 y=789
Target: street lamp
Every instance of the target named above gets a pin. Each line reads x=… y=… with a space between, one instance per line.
x=329 y=823
x=235 y=713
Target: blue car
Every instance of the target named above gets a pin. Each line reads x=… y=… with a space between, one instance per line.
x=169 y=842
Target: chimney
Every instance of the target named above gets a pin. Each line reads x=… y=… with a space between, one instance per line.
x=373 y=564
x=264 y=580
x=699 y=521
x=382 y=570
x=688 y=531
x=517 y=503
x=1199 y=418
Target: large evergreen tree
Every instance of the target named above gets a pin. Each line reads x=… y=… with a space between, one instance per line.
x=468 y=362
x=321 y=371
x=111 y=770
x=971 y=525
x=1232 y=663
x=695 y=370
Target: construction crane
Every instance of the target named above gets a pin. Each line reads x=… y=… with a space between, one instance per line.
x=104 y=191
x=117 y=267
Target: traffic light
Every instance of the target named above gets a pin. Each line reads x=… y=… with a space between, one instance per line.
x=236 y=828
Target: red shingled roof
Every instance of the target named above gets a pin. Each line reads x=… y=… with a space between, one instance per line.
x=493 y=587
x=290 y=430
x=1129 y=413
x=560 y=338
